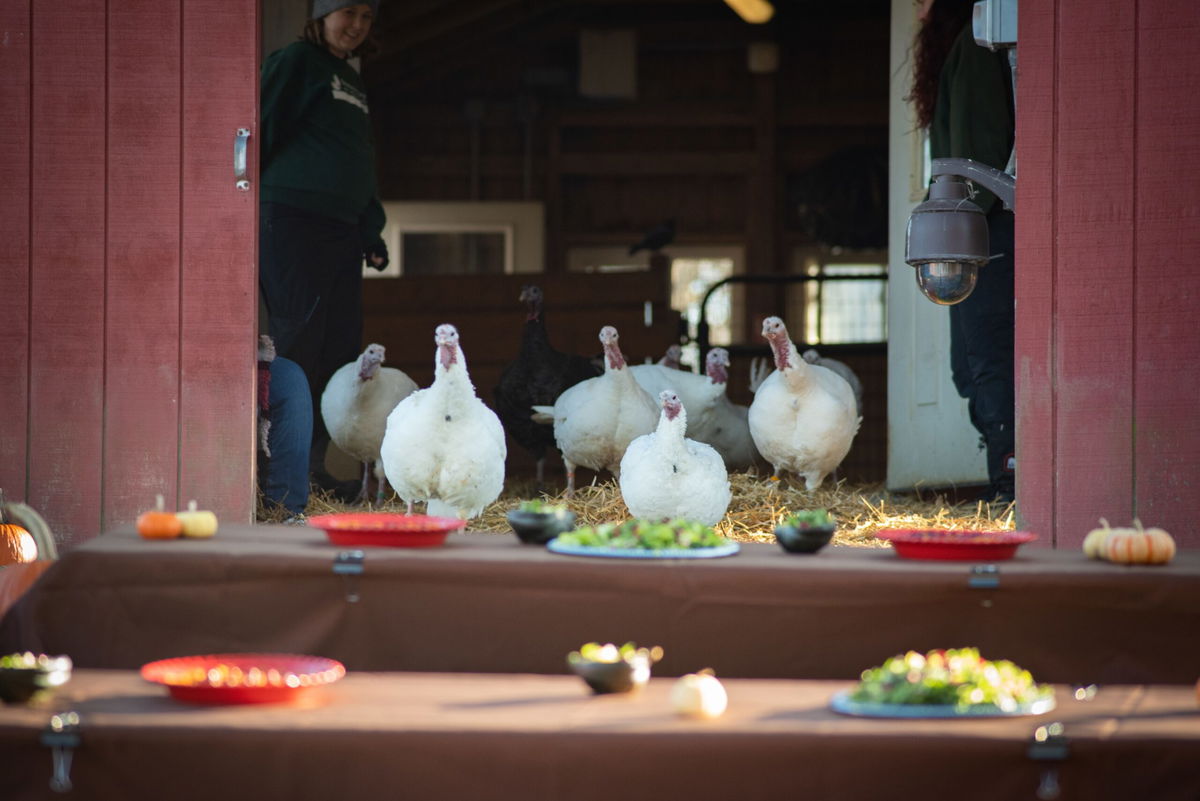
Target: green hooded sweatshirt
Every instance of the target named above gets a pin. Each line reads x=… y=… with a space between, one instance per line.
x=316 y=147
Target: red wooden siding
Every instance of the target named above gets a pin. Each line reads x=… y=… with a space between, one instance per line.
x=15 y=138
x=142 y=320
x=219 y=302
x=128 y=268
x=1166 y=330
x=1107 y=368
x=67 y=264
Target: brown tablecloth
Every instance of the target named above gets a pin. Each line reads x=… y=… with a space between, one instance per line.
x=431 y=736
x=484 y=602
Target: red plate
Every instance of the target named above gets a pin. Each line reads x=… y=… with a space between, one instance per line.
x=965 y=546
x=379 y=528
x=244 y=678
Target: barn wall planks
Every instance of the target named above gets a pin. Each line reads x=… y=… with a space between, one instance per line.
x=141 y=394
x=1166 y=378
x=67 y=266
x=1037 y=114
x=107 y=159
x=219 y=301
x=1094 y=265
x=15 y=91
x=1108 y=359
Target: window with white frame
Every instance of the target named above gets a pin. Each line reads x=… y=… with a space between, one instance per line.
x=462 y=238
x=694 y=270
x=844 y=299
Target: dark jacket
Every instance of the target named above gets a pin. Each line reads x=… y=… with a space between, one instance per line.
x=316 y=148
x=973 y=117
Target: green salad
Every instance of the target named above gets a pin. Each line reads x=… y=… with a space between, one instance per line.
x=645 y=534
x=957 y=677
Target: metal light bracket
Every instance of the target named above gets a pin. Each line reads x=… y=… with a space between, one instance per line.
x=1049 y=744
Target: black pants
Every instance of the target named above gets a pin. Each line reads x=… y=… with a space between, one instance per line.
x=310 y=275
x=981 y=352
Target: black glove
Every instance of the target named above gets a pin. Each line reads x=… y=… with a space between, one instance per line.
x=376 y=256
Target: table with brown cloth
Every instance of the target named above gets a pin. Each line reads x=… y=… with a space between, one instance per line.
x=459 y=736
x=486 y=603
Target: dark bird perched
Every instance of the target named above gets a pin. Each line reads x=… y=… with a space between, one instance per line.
x=537 y=377
x=658 y=238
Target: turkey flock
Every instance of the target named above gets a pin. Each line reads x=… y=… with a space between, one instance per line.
x=669 y=436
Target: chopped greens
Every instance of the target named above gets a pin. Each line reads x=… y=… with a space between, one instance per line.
x=957 y=677
x=644 y=534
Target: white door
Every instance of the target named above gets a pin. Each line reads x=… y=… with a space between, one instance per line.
x=931 y=441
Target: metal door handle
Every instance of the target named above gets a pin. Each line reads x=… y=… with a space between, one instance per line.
x=239 y=159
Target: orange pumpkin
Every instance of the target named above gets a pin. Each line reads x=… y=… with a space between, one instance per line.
x=16 y=543
x=158 y=524
x=1139 y=546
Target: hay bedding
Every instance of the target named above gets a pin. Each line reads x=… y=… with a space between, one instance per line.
x=758 y=504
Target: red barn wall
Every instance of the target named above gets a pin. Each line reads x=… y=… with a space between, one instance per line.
x=127 y=264
x=1108 y=225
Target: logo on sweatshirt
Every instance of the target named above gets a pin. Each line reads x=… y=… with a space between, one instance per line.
x=348 y=93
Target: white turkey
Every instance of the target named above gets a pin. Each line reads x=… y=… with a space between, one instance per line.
x=727 y=426
x=803 y=417
x=595 y=420
x=443 y=445
x=665 y=475
x=841 y=368
x=672 y=357
x=355 y=406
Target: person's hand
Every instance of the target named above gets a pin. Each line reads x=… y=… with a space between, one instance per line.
x=377 y=256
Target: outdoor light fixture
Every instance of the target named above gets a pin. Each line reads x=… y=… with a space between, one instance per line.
x=753 y=11
x=947 y=240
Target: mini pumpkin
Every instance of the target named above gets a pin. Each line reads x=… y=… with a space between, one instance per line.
x=16 y=543
x=1139 y=546
x=198 y=523
x=1093 y=543
x=158 y=524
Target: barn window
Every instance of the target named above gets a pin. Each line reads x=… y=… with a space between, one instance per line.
x=694 y=270
x=845 y=300
x=462 y=239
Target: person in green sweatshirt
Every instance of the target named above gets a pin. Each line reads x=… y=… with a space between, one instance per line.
x=963 y=95
x=319 y=214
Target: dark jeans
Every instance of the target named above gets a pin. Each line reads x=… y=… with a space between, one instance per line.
x=310 y=275
x=981 y=351
x=285 y=477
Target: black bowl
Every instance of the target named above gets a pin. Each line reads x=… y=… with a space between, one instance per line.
x=621 y=676
x=20 y=685
x=538 y=528
x=803 y=539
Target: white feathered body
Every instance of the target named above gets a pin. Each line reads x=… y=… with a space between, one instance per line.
x=444 y=446
x=698 y=394
x=803 y=420
x=595 y=420
x=803 y=417
x=666 y=475
x=355 y=410
x=727 y=429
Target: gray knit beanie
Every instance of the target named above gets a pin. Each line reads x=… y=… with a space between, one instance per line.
x=322 y=7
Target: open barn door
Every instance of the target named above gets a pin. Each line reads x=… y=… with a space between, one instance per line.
x=931 y=441
x=128 y=266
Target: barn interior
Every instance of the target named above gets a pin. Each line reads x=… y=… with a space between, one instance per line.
x=523 y=142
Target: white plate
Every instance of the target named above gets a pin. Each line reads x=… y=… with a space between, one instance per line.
x=728 y=549
x=843 y=704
